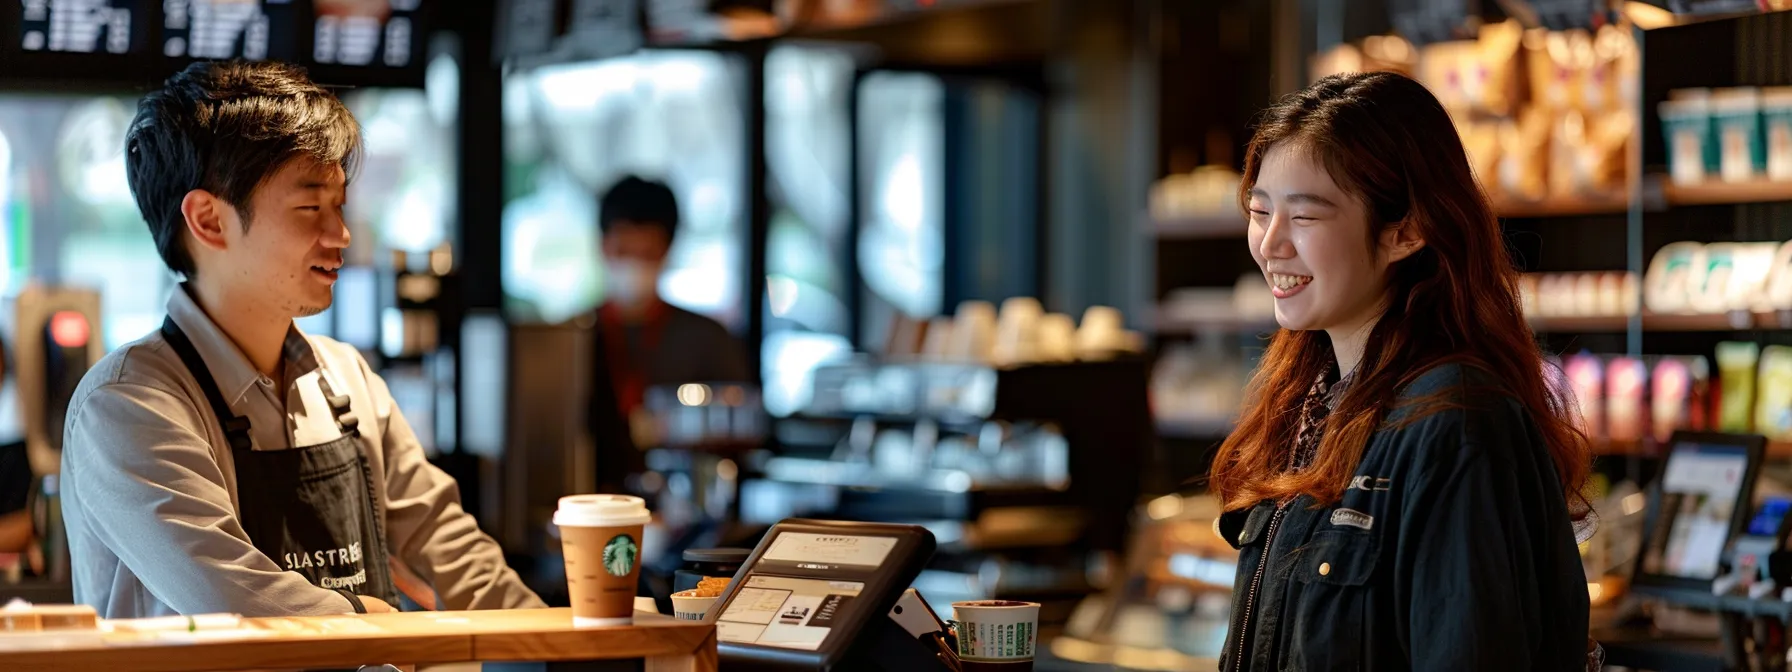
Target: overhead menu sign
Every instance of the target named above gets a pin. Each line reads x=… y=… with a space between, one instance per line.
x=220 y=29
x=359 y=32
x=79 y=26
x=545 y=31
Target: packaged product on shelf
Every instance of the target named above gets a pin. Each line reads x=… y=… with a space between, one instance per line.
x=1586 y=382
x=1527 y=294
x=1779 y=280
x=1555 y=295
x=1736 y=119
x=1613 y=76
x=1524 y=155
x=1481 y=140
x=1686 y=123
x=1680 y=387
x=1449 y=70
x=1671 y=273
x=1751 y=264
x=1706 y=288
x=1549 y=59
x=1776 y=122
x=1626 y=379
x=1736 y=362
x=1586 y=294
x=1773 y=405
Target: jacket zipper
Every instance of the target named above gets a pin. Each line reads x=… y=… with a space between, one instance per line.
x=1250 y=598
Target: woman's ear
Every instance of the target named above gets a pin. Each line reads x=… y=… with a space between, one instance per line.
x=1400 y=240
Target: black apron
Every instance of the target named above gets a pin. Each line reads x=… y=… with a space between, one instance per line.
x=310 y=508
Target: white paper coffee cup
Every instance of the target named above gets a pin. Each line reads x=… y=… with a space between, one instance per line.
x=996 y=631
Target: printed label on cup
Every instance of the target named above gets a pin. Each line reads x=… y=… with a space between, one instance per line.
x=996 y=641
x=996 y=630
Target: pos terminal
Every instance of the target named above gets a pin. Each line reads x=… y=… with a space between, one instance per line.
x=827 y=595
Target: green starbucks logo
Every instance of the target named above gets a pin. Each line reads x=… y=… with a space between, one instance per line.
x=620 y=555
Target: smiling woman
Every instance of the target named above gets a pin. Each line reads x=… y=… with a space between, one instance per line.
x=1403 y=386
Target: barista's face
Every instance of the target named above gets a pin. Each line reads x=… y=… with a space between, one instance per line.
x=288 y=256
x=646 y=243
x=634 y=255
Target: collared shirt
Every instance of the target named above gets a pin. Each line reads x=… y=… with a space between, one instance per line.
x=149 y=491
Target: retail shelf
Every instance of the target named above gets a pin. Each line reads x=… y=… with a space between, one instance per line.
x=1194 y=427
x=1199 y=226
x=1214 y=324
x=1737 y=321
x=1563 y=206
x=1650 y=448
x=1719 y=193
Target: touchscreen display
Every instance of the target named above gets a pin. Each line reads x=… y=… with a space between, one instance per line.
x=786 y=612
x=1700 y=489
x=826 y=551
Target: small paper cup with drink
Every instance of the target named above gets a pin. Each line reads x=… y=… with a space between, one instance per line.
x=601 y=537
x=996 y=635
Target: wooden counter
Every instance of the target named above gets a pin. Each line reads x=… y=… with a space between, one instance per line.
x=533 y=635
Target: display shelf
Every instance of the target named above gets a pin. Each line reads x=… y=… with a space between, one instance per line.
x=1721 y=193
x=1703 y=599
x=1199 y=226
x=1736 y=321
x=1652 y=448
x=1562 y=206
x=1168 y=325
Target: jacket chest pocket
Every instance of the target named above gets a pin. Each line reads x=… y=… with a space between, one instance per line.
x=1332 y=575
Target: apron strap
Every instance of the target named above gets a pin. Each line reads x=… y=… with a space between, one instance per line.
x=236 y=427
x=339 y=407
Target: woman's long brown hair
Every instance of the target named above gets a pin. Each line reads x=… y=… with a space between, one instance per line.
x=1384 y=139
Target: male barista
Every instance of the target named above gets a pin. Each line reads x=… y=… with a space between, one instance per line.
x=229 y=462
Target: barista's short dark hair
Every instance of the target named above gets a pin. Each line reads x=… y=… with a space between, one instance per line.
x=639 y=201
x=226 y=127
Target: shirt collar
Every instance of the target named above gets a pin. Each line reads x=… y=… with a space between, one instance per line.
x=229 y=367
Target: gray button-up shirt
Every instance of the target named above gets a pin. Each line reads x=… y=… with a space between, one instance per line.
x=149 y=490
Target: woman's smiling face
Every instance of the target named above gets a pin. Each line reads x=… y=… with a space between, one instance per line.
x=1311 y=239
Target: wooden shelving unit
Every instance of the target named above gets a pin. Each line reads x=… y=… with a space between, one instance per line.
x=1726 y=193
x=1658 y=323
x=1570 y=206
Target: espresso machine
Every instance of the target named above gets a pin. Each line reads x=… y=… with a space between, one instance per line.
x=56 y=339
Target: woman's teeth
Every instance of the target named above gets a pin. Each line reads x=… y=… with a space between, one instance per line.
x=1287 y=282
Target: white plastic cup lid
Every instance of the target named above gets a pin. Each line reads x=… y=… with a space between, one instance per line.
x=601 y=511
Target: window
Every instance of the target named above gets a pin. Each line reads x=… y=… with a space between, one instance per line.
x=573 y=130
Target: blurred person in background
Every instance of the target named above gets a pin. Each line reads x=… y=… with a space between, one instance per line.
x=229 y=462
x=643 y=341
x=1403 y=485
x=650 y=342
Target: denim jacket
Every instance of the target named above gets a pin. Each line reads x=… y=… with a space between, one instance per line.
x=1452 y=549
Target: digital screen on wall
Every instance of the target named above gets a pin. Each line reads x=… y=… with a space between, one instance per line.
x=219 y=29
x=81 y=26
x=343 y=42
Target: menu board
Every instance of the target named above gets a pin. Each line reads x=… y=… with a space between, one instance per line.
x=365 y=32
x=79 y=26
x=346 y=42
x=217 y=29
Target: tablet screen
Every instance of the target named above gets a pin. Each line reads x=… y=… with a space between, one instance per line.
x=786 y=612
x=1700 y=489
